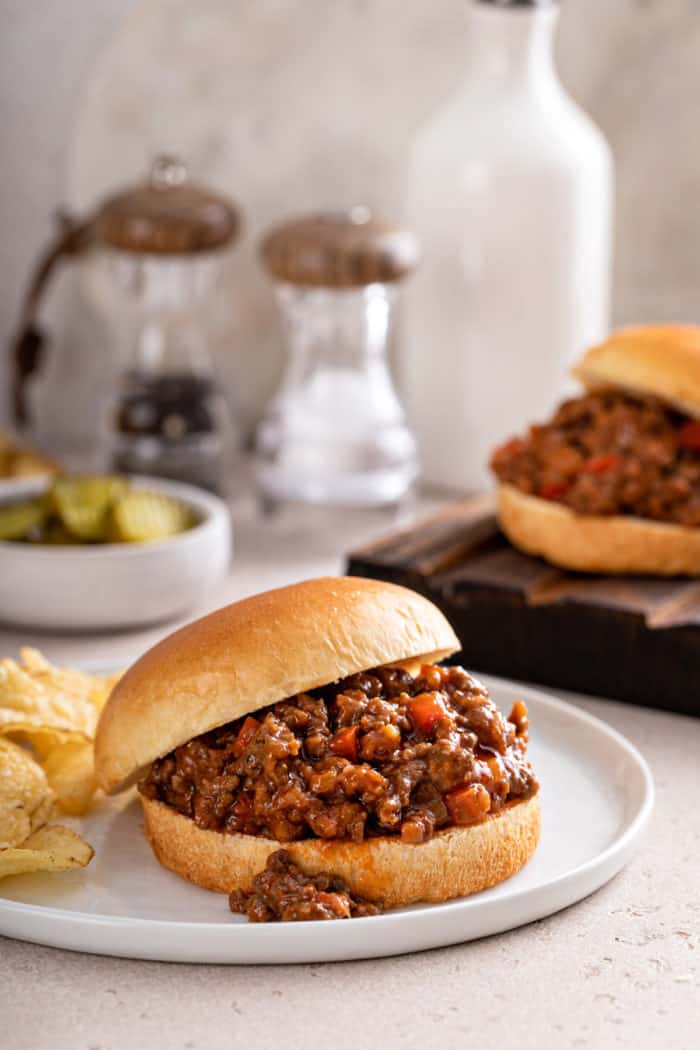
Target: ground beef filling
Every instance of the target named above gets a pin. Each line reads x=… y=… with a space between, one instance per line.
x=380 y=753
x=610 y=453
x=283 y=893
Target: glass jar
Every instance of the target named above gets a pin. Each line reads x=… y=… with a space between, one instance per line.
x=167 y=415
x=152 y=256
x=335 y=433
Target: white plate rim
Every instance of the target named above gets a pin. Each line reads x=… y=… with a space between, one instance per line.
x=591 y=874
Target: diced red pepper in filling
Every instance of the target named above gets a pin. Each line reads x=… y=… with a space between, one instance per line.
x=467 y=804
x=602 y=464
x=426 y=710
x=554 y=490
x=245 y=735
x=689 y=436
x=344 y=743
x=518 y=716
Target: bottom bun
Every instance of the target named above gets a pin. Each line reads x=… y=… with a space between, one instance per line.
x=453 y=863
x=594 y=543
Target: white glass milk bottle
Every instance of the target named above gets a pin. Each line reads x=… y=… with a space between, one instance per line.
x=509 y=187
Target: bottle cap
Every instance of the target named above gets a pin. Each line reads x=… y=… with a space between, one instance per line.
x=339 y=250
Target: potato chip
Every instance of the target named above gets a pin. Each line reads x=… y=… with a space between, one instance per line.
x=96 y=687
x=52 y=848
x=102 y=687
x=71 y=775
x=42 y=814
x=54 y=710
x=69 y=680
x=18 y=461
x=45 y=699
x=41 y=742
x=25 y=796
x=34 y=660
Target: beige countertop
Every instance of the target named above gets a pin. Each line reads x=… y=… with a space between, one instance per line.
x=620 y=969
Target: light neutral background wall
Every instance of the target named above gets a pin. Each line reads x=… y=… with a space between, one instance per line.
x=288 y=104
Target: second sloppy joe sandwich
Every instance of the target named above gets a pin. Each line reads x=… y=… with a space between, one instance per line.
x=611 y=484
x=315 y=718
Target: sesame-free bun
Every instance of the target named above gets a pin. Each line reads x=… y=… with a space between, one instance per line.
x=597 y=543
x=453 y=863
x=254 y=653
x=650 y=359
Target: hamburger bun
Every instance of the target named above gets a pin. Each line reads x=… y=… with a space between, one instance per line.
x=453 y=863
x=593 y=543
x=650 y=359
x=255 y=652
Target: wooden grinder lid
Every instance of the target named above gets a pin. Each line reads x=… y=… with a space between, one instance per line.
x=339 y=250
x=167 y=215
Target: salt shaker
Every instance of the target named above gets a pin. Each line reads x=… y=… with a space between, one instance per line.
x=335 y=433
x=509 y=186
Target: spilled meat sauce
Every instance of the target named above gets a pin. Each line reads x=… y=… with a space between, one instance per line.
x=282 y=892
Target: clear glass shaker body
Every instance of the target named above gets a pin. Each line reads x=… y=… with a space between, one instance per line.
x=335 y=433
x=167 y=415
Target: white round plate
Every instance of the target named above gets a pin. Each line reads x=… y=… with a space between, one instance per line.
x=596 y=791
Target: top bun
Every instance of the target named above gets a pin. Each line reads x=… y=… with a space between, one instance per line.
x=252 y=654
x=651 y=359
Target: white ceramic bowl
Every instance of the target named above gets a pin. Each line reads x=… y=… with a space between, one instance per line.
x=115 y=584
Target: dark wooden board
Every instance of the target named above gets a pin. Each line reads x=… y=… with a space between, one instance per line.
x=627 y=638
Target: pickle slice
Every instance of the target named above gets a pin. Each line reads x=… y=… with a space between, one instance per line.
x=141 y=516
x=84 y=522
x=18 y=520
x=82 y=504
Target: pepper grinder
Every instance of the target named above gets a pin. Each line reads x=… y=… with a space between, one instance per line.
x=335 y=433
x=167 y=238
x=150 y=256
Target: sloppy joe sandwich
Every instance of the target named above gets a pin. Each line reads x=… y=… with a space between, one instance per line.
x=316 y=718
x=611 y=483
